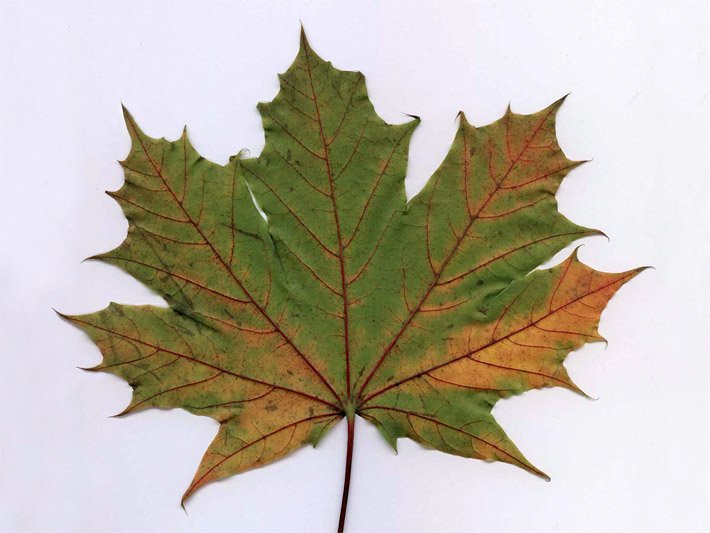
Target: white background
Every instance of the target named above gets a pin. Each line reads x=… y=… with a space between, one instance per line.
x=635 y=460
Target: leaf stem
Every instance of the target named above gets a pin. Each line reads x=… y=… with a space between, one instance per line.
x=348 y=468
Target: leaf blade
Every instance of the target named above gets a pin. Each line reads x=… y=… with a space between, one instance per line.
x=346 y=299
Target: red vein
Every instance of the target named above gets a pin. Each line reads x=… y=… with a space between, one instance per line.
x=172 y=389
x=559 y=283
x=515 y=210
x=543 y=176
x=153 y=370
x=181 y=278
x=121 y=363
x=563 y=332
x=343 y=280
x=466 y=174
x=374 y=250
x=288 y=132
x=507 y=309
x=221 y=404
x=512 y=251
x=315 y=274
x=347 y=108
x=374 y=189
x=120 y=198
x=446 y=307
x=235 y=326
x=352 y=154
x=288 y=84
x=293 y=213
x=539 y=346
x=523 y=370
x=298 y=109
x=141 y=173
x=302 y=176
x=166 y=238
x=482 y=389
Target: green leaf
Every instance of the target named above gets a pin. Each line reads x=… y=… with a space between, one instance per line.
x=347 y=300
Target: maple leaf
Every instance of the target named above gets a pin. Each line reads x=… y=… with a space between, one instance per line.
x=347 y=299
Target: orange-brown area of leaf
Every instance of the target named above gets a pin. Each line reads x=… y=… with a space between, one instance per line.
x=264 y=429
x=526 y=345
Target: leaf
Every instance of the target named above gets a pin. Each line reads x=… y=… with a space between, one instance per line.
x=346 y=299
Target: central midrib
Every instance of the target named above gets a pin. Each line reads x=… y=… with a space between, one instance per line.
x=341 y=258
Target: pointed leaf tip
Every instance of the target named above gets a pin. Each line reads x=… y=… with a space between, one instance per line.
x=126 y=113
x=133 y=130
x=558 y=103
x=304 y=38
x=599 y=233
x=61 y=315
